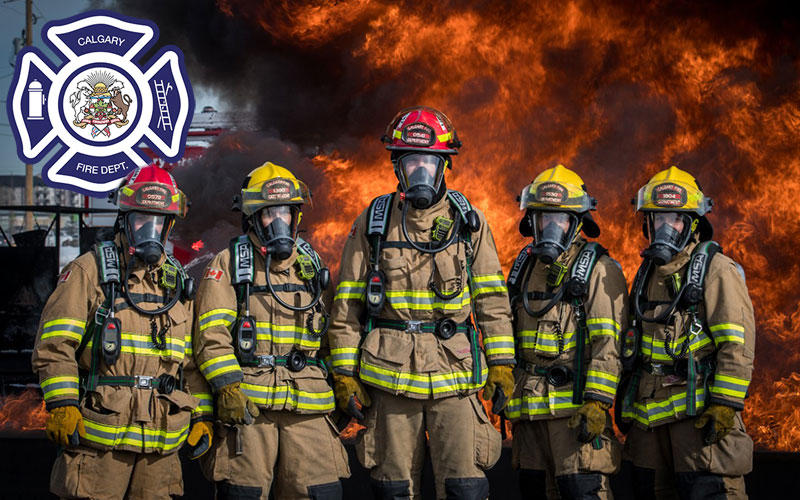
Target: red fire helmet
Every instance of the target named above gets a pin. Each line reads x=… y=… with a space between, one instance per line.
x=420 y=128
x=151 y=189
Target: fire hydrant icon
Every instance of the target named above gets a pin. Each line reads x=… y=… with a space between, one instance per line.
x=36 y=99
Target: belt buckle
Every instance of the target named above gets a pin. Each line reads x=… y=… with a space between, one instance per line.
x=657 y=369
x=266 y=360
x=414 y=326
x=530 y=368
x=143 y=381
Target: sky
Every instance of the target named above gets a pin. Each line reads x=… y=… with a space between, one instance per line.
x=12 y=22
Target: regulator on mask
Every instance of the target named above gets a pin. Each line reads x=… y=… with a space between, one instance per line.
x=420 y=177
x=146 y=235
x=276 y=228
x=669 y=233
x=553 y=232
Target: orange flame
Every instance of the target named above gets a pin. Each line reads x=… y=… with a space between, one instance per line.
x=22 y=412
x=615 y=92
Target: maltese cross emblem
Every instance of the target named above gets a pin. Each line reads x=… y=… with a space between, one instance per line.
x=99 y=105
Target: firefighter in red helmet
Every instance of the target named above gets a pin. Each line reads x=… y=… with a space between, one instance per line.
x=114 y=359
x=417 y=263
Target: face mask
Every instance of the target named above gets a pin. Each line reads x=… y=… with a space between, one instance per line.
x=145 y=233
x=666 y=241
x=550 y=238
x=421 y=176
x=278 y=235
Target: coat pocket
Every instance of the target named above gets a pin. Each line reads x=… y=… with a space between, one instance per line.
x=733 y=455
x=488 y=442
x=337 y=450
x=389 y=346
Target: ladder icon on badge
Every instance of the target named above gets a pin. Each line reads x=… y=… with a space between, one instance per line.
x=164 y=121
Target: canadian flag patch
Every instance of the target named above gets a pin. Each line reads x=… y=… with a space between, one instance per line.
x=63 y=277
x=213 y=274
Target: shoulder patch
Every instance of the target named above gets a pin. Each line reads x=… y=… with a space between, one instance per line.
x=213 y=274
x=63 y=277
x=353 y=231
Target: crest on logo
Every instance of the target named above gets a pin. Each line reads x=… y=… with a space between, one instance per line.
x=99 y=105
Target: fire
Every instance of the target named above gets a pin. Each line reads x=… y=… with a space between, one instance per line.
x=22 y=412
x=198 y=245
x=614 y=90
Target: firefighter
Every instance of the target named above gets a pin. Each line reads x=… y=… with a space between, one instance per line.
x=114 y=359
x=569 y=299
x=258 y=342
x=690 y=354
x=417 y=266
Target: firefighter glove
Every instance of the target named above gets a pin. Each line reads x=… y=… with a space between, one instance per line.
x=348 y=389
x=500 y=385
x=199 y=439
x=234 y=407
x=717 y=420
x=591 y=417
x=64 y=425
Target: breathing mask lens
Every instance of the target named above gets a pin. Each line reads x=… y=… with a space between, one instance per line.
x=421 y=176
x=279 y=223
x=669 y=233
x=146 y=233
x=552 y=233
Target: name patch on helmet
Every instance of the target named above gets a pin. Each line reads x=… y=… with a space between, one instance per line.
x=277 y=190
x=669 y=195
x=551 y=192
x=418 y=134
x=153 y=196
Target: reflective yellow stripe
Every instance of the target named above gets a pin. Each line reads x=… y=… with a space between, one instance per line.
x=229 y=364
x=64 y=327
x=280 y=395
x=419 y=383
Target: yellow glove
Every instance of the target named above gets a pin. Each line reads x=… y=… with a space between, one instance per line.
x=200 y=438
x=501 y=383
x=348 y=389
x=593 y=414
x=719 y=419
x=234 y=407
x=64 y=425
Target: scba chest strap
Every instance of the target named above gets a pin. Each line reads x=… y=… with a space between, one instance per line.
x=242 y=279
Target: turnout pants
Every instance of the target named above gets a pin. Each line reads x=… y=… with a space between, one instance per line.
x=83 y=472
x=552 y=460
x=672 y=461
x=463 y=443
x=301 y=455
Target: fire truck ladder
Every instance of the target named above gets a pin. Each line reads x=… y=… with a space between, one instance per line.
x=164 y=121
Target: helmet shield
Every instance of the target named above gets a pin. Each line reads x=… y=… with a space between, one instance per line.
x=670 y=229
x=672 y=196
x=272 y=192
x=420 y=176
x=154 y=197
x=552 y=195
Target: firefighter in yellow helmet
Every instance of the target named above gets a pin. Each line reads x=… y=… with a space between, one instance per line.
x=569 y=300
x=416 y=265
x=260 y=334
x=689 y=355
x=114 y=359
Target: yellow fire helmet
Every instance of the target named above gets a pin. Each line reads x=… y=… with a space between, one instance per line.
x=270 y=185
x=558 y=189
x=675 y=190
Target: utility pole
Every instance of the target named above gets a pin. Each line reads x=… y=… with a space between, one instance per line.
x=28 y=167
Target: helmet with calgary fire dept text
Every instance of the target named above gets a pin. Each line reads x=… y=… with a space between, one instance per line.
x=422 y=141
x=148 y=201
x=556 y=208
x=270 y=202
x=674 y=208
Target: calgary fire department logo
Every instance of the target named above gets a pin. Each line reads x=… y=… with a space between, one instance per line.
x=99 y=106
